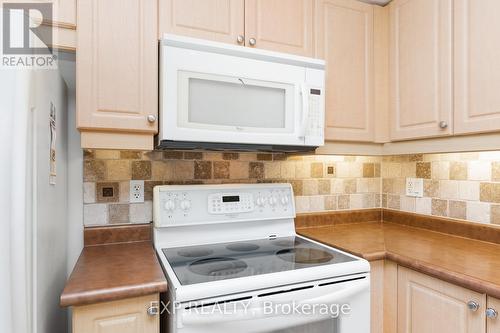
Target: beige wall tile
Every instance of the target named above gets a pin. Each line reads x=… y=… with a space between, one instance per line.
x=495 y=170
x=118 y=213
x=440 y=170
x=162 y=170
x=393 y=201
x=495 y=214
x=124 y=188
x=368 y=170
x=184 y=170
x=423 y=206
x=141 y=170
x=350 y=186
x=448 y=189
x=337 y=186
x=203 y=170
x=479 y=170
x=343 y=201
x=316 y=203
x=118 y=170
x=489 y=192
x=301 y=204
x=94 y=170
x=130 y=154
x=408 y=204
x=387 y=185
x=458 y=170
x=362 y=185
x=302 y=169
x=310 y=187
x=95 y=214
x=324 y=186
x=288 y=170
x=138 y=213
x=107 y=154
x=297 y=186
x=468 y=190
x=431 y=188
x=317 y=170
x=439 y=207
x=424 y=170
x=88 y=192
x=457 y=209
x=478 y=212
x=331 y=202
x=221 y=170
x=357 y=201
x=343 y=170
x=409 y=169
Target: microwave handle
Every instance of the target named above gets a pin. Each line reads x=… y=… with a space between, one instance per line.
x=305 y=110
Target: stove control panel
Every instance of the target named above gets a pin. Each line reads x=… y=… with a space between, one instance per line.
x=176 y=205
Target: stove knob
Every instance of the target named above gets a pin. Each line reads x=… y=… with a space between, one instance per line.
x=273 y=201
x=260 y=201
x=284 y=200
x=185 y=204
x=170 y=205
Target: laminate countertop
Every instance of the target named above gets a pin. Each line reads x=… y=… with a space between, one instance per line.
x=470 y=263
x=111 y=272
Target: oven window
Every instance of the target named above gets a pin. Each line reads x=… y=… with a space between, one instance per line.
x=223 y=103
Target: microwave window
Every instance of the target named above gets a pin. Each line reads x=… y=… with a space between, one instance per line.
x=223 y=103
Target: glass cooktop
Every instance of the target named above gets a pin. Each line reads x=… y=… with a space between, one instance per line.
x=212 y=262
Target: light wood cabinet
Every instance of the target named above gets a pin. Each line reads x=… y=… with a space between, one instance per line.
x=280 y=25
x=124 y=316
x=218 y=20
x=493 y=323
x=63 y=11
x=117 y=73
x=477 y=66
x=344 y=31
x=420 y=68
x=426 y=304
x=277 y=25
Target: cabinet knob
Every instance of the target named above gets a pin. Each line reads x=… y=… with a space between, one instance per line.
x=252 y=41
x=151 y=118
x=240 y=39
x=443 y=124
x=473 y=306
x=152 y=311
x=491 y=313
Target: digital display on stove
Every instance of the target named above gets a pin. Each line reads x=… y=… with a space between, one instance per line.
x=231 y=198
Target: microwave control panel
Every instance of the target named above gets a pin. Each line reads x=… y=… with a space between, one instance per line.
x=315 y=122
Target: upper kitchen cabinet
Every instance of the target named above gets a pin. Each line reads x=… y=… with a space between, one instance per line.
x=63 y=11
x=117 y=73
x=277 y=25
x=477 y=66
x=280 y=25
x=421 y=68
x=218 y=20
x=344 y=31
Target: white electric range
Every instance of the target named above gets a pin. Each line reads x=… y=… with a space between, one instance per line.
x=235 y=264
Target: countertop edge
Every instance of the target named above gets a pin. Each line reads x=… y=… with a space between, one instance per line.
x=112 y=294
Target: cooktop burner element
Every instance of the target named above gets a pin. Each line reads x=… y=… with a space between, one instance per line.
x=220 y=261
x=304 y=256
x=195 y=253
x=217 y=267
x=242 y=247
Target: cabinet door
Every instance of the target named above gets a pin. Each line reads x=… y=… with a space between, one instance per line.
x=420 y=68
x=344 y=31
x=493 y=323
x=218 y=20
x=426 y=304
x=280 y=25
x=125 y=316
x=116 y=66
x=477 y=66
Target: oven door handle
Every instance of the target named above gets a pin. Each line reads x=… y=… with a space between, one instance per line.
x=188 y=318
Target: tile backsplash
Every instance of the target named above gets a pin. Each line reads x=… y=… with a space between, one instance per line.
x=320 y=182
x=457 y=185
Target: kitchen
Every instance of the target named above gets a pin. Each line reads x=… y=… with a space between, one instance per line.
x=189 y=163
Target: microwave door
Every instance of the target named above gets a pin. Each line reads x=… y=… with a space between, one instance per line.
x=219 y=108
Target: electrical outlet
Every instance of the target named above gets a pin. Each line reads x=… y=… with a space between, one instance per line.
x=136 y=191
x=415 y=187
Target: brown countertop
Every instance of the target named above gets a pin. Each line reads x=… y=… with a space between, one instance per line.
x=112 y=272
x=470 y=263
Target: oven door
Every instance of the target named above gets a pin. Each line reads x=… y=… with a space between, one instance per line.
x=209 y=97
x=335 y=307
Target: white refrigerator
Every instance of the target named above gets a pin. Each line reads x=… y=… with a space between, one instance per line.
x=33 y=202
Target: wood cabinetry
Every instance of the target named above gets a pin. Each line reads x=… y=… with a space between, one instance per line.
x=124 y=316
x=420 y=68
x=218 y=20
x=426 y=304
x=493 y=320
x=277 y=25
x=477 y=66
x=117 y=73
x=280 y=25
x=344 y=31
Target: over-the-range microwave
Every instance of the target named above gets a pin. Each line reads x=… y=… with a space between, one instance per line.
x=221 y=96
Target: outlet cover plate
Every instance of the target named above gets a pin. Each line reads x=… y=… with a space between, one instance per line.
x=136 y=191
x=415 y=187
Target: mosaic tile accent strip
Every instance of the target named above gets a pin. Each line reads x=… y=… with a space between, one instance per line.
x=320 y=183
